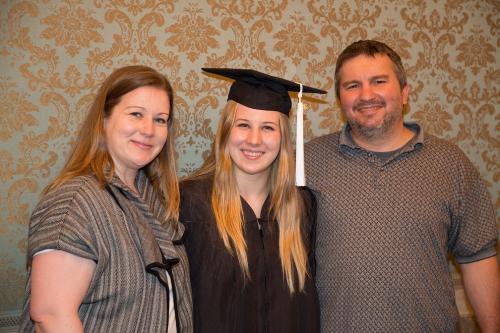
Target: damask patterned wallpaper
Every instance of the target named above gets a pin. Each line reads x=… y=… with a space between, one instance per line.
x=54 y=54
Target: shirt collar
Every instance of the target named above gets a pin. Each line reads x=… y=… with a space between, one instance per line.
x=141 y=182
x=346 y=141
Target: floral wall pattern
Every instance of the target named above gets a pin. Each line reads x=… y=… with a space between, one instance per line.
x=54 y=54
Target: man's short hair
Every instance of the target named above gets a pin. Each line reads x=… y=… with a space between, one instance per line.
x=369 y=48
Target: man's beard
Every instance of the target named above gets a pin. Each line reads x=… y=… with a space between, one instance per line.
x=379 y=130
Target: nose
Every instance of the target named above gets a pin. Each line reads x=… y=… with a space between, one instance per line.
x=254 y=136
x=147 y=127
x=367 y=92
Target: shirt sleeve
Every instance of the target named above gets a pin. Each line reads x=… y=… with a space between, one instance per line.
x=60 y=222
x=473 y=233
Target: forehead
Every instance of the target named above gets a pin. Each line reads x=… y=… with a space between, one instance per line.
x=149 y=98
x=245 y=112
x=146 y=94
x=364 y=66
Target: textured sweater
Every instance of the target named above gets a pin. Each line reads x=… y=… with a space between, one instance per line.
x=385 y=228
x=133 y=246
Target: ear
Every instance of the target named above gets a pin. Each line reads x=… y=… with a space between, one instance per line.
x=405 y=92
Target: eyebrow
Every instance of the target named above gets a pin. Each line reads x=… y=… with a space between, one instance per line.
x=381 y=76
x=143 y=108
x=264 y=123
x=345 y=83
x=135 y=107
x=270 y=123
x=375 y=77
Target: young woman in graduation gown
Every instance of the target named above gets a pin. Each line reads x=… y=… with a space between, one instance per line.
x=249 y=230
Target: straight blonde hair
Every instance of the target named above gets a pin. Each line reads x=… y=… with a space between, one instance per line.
x=90 y=153
x=286 y=203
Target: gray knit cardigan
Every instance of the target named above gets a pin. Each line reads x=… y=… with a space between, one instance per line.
x=133 y=246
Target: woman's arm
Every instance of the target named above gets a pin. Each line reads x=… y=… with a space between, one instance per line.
x=59 y=282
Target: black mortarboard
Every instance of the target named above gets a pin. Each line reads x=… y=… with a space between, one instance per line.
x=261 y=91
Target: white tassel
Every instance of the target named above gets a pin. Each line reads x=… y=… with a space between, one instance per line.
x=300 y=179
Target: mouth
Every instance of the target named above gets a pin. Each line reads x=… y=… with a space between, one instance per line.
x=252 y=154
x=368 y=107
x=142 y=145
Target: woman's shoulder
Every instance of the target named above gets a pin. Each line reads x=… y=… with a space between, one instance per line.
x=309 y=208
x=196 y=186
x=82 y=185
x=307 y=196
x=196 y=196
x=74 y=194
x=62 y=218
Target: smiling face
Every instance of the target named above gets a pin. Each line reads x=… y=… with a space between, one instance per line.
x=254 y=141
x=136 y=130
x=371 y=97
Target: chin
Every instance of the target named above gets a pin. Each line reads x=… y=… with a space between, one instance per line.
x=142 y=164
x=254 y=171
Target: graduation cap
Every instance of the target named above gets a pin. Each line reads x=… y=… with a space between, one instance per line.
x=261 y=91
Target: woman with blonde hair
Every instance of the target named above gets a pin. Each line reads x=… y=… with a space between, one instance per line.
x=250 y=230
x=104 y=245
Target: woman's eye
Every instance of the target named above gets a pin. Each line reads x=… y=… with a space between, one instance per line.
x=161 y=121
x=136 y=114
x=268 y=128
x=242 y=125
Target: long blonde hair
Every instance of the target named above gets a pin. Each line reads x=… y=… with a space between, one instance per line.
x=90 y=154
x=286 y=203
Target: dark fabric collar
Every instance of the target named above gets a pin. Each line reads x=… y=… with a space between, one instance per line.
x=249 y=214
x=204 y=185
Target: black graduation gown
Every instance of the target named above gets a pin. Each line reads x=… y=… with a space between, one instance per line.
x=223 y=300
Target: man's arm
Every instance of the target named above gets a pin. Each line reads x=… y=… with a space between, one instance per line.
x=482 y=286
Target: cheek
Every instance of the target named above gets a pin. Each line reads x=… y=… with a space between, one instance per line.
x=232 y=143
x=235 y=137
x=274 y=142
x=396 y=98
x=163 y=135
x=346 y=101
x=109 y=133
x=115 y=129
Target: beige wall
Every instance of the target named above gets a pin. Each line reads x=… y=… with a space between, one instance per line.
x=53 y=55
